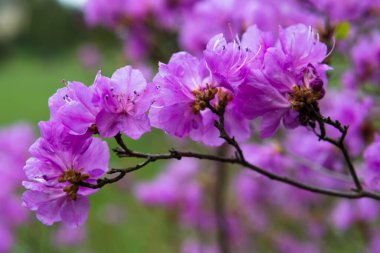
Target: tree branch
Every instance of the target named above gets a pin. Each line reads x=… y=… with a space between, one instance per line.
x=173 y=154
x=239 y=159
x=339 y=143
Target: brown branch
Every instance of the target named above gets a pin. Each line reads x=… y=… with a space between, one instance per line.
x=240 y=160
x=173 y=154
x=339 y=143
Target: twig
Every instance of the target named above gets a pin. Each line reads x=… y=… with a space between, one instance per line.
x=339 y=143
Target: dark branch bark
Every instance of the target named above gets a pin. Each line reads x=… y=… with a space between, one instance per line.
x=239 y=159
x=339 y=143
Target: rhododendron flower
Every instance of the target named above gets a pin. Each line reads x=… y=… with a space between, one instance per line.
x=125 y=99
x=59 y=162
x=346 y=213
x=366 y=58
x=343 y=10
x=292 y=79
x=372 y=164
x=75 y=107
x=176 y=109
x=181 y=110
x=14 y=143
x=229 y=62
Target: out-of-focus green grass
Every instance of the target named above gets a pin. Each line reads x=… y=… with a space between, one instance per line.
x=26 y=83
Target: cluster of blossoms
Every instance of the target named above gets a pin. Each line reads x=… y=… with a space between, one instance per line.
x=14 y=143
x=277 y=80
x=269 y=77
x=365 y=55
x=141 y=24
x=257 y=210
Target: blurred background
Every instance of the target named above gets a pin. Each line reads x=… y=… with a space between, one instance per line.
x=44 y=43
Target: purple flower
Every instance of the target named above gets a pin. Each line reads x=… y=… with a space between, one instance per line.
x=338 y=10
x=14 y=143
x=106 y=12
x=346 y=213
x=229 y=62
x=59 y=162
x=366 y=58
x=371 y=171
x=291 y=79
x=176 y=111
x=75 y=107
x=125 y=99
x=181 y=110
x=6 y=239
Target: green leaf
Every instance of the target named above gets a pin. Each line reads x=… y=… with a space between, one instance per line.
x=342 y=30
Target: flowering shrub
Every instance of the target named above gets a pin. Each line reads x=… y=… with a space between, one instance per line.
x=230 y=93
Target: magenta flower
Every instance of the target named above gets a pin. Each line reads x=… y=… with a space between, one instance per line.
x=105 y=12
x=180 y=109
x=176 y=111
x=125 y=99
x=229 y=63
x=366 y=58
x=292 y=77
x=59 y=162
x=347 y=213
x=14 y=143
x=338 y=10
x=75 y=107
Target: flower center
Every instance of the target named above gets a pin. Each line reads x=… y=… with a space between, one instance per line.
x=73 y=177
x=202 y=97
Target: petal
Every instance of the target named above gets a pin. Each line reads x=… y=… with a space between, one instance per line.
x=257 y=97
x=74 y=213
x=37 y=169
x=129 y=80
x=76 y=117
x=208 y=134
x=107 y=124
x=177 y=119
x=236 y=125
x=49 y=212
x=144 y=100
x=95 y=159
x=134 y=127
x=270 y=122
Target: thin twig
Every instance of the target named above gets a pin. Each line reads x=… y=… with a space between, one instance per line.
x=173 y=154
x=339 y=143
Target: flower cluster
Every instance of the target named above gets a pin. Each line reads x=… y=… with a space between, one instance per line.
x=365 y=56
x=14 y=143
x=140 y=25
x=59 y=162
x=235 y=81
